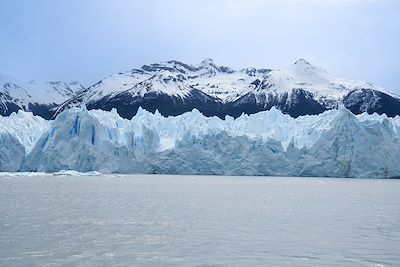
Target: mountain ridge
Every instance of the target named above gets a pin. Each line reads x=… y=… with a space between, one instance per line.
x=174 y=87
x=37 y=97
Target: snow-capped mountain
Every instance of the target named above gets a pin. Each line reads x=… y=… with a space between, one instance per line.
x=41 y=98
x=174 y=88
x=334 y=144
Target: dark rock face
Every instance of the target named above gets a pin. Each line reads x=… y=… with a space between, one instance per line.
x=45 y=111
x=7 y=105
x=127 y=105
x=298 y=103
x=7 y=108
x=370 y=101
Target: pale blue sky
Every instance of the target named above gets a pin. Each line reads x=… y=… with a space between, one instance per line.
x=86 y=40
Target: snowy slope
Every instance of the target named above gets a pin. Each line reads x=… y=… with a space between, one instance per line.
x=54 y=91
x=177 y=79
x=38 y=97
x=335 y=143
x=303 y=75
x=174 y=88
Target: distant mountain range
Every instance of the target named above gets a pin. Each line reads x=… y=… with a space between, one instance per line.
x=174 y=88
x=41 y=98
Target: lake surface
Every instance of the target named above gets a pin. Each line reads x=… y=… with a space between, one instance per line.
x=136 y=220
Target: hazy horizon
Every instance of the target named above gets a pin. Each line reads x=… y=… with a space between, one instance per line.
x=88 y=40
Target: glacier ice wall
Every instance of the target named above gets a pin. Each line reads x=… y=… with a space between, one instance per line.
x=333 y=144
x=18 y=135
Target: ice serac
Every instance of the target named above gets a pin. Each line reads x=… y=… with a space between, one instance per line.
x=18 y=135
x=335 y=143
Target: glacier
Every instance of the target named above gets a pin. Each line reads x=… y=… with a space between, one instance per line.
x=335 y=143
x=19 y=134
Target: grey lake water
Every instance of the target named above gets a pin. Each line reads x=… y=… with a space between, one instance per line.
x=135 y=220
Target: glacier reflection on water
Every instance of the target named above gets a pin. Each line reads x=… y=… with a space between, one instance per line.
x=198 y=221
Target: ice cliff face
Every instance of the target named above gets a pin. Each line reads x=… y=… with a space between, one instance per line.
x=19 y=133
x=335 y=143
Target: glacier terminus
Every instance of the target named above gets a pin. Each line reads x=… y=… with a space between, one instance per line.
x=335 y=143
